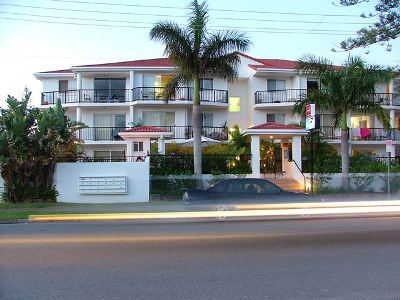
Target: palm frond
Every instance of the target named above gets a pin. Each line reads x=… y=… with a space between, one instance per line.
x=312 y=65
x=198 y=23
x=222 y=43
x=174 y=84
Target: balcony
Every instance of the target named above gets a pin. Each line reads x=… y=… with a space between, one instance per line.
x=361 y=134
x=280 y=96
x=181 y=94
x=179 y=132
x=86 y=96
x=293 y=95
x=126 y=95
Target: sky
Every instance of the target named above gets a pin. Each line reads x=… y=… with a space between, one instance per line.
x=42 y=35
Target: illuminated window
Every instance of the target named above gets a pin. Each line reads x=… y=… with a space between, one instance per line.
x=234 y=104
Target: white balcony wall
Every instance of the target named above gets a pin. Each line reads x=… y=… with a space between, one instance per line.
x=52 y=84
x=239 y=89
x=87 y=83
x=244 y=71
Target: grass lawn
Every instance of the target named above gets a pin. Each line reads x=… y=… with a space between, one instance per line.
x=12 y=211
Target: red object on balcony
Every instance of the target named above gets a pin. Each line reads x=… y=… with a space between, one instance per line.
x=365 y=133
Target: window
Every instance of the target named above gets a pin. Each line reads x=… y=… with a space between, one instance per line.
x=207 y=119
x=278 y=118
x=109 y=120
x=206 y=83
x=234 y=104
x=63 y=85
x=137 y=146
x=312 y=84
x=276 y=85
x=107 y=126
x=158 y=118
x=109 y=88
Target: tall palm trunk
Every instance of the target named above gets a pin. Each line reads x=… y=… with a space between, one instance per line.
x=197 y=124
x=345 y=153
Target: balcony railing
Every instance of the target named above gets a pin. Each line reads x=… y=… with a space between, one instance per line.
x=361 y=134
x=280 y=96
x=293 y=95
x=180 y=94
x=87 y=96
x=127 y=95
x=179 y=132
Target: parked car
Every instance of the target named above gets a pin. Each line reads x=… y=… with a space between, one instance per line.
x=240 y=189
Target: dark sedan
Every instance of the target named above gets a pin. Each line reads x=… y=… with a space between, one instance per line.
x=239 y=189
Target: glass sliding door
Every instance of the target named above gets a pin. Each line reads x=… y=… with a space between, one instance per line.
x=110 y=89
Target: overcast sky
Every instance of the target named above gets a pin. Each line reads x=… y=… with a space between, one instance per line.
x=34 y=35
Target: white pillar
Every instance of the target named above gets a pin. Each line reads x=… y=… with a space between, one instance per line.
x=79 y=81
x=161 y=145
x=392 y=119
x=296 y=150
x=129 y=147
x=79 y=114
x=131 y=117
x=131 y=84
x=255 y=156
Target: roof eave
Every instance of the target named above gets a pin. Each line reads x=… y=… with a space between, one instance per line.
x=116 y=69
x=55 y=74
x=294 y=132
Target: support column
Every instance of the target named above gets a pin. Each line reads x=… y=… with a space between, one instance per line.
x=79 y=86
x=131 y=116
x=131 y=84
x=296 y=151
x=79 y=81
x=255 y=156
x=78 y=114
x=392 y=119
x=161 y=145
x=129 y=147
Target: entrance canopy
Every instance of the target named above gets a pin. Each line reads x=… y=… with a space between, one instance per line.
x=138 y=139
x=273 y=131
x=276 y=130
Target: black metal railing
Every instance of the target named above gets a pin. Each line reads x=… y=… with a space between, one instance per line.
x=89 y=159
x=280 y=96
x=211 y=164
x=293 y=95
x=180 y=94
x=100 y=133
x=127 y=95
x=179 y=132
x=87 y=96
x=361 y=134
x=388 y=99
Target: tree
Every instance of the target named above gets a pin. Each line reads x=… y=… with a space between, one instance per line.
x=387 y=27
x=30 y=141
x=195 y=52
x=345 y=89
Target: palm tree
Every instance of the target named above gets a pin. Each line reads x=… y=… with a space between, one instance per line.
x=195 y=53
x=344 y=89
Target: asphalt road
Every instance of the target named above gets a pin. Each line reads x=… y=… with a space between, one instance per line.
x=319 y=259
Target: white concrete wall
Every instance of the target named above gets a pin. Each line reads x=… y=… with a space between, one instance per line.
x=67 y=175
x=1 y=184
x=52 y=85
x=239 y=88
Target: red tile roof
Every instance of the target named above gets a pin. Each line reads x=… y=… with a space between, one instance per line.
x=59 y=71
x=271 y=63
x=273 y=125
x=146 y=129
x=155 y=62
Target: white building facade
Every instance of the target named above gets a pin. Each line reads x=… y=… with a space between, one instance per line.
x=109 y=98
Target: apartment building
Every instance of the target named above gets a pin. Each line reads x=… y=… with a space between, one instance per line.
x=112 y=97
